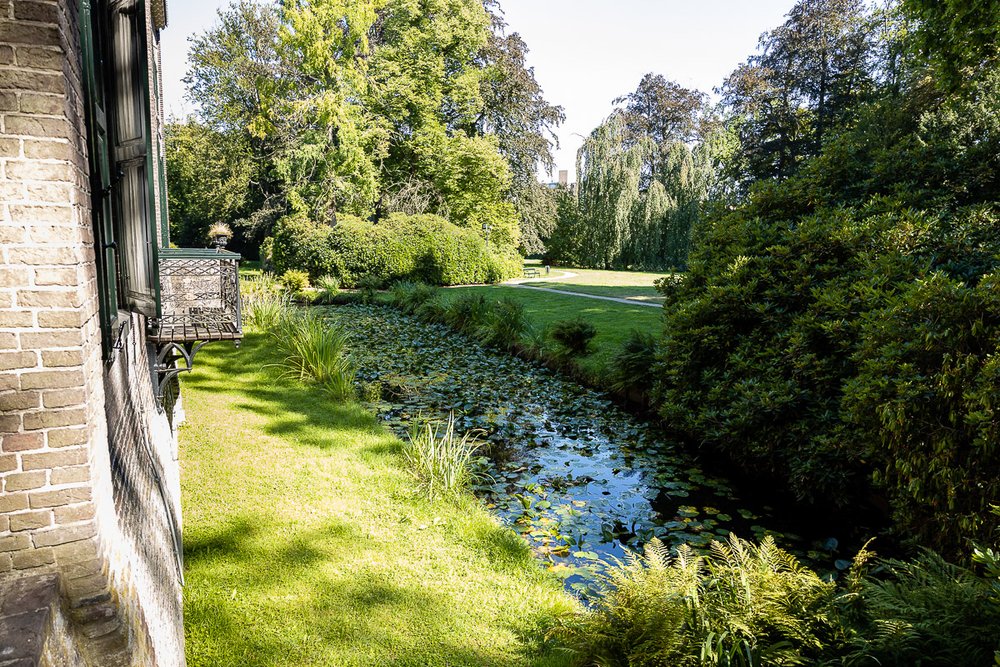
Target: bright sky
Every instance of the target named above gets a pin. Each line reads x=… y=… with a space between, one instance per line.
x=585 y=52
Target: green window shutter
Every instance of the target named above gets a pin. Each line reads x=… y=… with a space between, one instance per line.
x=132 y=197
x=93 y=49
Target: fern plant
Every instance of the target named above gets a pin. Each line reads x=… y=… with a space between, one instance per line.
x=742 y=605
x=927 y=612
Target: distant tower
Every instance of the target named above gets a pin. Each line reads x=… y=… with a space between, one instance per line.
x=563 y=177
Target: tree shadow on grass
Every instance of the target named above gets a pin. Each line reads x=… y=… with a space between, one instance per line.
x=262 y=595
x=318 y=591
x=253 y=373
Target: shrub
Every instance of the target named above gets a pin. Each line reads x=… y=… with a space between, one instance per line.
x=327 y=289
x=409 y=296
x=265 y=302
x=422 y=248
x=504 y=324
x=631 y=366
x=439 y=459
x=851 y=349
x=926 y=612
x=316 y=352
x=295 y=281
x=573 y=336
x=466 y=312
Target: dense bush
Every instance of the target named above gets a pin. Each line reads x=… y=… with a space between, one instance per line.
x=845 y=347
x=573 y=336
x=504 y=325
x=630 y=368
x=424 y=248
x=294 y=281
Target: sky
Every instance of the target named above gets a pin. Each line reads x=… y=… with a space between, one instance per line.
x=585 y=53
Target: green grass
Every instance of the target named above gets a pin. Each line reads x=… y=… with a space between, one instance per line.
x=633 y=285
x=613 y=320
x=305 y=543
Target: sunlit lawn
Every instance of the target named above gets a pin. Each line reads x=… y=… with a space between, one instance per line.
x=634 y=285
x=304 y=544
x=613 y=320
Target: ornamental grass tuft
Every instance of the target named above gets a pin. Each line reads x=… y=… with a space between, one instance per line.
x=440 y=459
x=316 y=352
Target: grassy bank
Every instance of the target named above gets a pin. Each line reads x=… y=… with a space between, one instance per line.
x=305 y=544
x=613 y=320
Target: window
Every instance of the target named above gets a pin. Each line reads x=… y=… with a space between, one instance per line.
x=116 y=78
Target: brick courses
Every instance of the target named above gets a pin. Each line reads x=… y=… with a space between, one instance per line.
x=57 y=512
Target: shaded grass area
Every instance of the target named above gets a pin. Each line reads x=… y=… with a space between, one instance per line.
x=305 y=544
x=621 y=284
x=613 y=320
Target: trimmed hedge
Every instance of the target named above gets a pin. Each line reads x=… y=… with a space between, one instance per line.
x=423 y=248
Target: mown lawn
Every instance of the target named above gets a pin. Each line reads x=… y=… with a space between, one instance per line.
x=622 y=284
x=305 y=545
x=613 y=320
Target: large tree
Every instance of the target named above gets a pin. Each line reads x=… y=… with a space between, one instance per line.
x=809 y=74
x=418 y=106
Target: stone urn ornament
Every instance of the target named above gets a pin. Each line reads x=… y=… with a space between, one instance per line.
x=219 y=234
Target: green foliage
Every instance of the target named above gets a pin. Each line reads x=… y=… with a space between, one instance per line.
x=574 y=337
x=210 y=174
x=295 y=281
x=316 y=352
x=631 y=366
x=422 y=248
x=440 y=459
x=928 y=612
x=842 y=350
x=960 y=37
x=467 y=312
x=744 y=604
x=328 y=287
x=504 y=325
x=410 y=296
x=369 y=108
x=265 y=302
x=639 y=197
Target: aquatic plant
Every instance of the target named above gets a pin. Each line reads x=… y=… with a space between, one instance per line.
x=327 y=289
x=408 y=296
x=504 y=325
x=316 y=352
x=466 y=312
x=440 y=459
x=631 y=365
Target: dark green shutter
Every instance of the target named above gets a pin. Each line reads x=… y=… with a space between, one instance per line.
x=130 y=148
x=92 y=36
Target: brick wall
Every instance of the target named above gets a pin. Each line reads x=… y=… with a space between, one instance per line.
x=57 y=482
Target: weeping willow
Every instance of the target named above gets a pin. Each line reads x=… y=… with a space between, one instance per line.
x=639 y=202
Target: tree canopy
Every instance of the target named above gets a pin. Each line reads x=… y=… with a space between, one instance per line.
x=370 y=108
